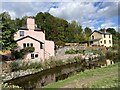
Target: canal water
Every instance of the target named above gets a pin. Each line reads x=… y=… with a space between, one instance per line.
x=50 y=75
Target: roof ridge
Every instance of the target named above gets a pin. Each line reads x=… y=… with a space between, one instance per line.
x=30 y=37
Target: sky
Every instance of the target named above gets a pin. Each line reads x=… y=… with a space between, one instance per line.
x=95 y=14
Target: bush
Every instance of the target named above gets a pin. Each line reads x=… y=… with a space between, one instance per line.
x=71 y=51
x=24 y=66
x=20 y=54
x=14 y=66
x=6 y=85
x=77 y=59
x=109 y=55
x=81 y=51
x=59 y=62
x=35 y=65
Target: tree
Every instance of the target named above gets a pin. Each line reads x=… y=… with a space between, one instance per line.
x=8 y=29
x=87 y=31
x=115 y=34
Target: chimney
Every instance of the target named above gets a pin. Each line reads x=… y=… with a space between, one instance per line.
x=104 y=30
x=30 y=23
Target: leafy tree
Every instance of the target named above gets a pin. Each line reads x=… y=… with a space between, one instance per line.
x=87 y=31
x=7 y=32
x=115 y=34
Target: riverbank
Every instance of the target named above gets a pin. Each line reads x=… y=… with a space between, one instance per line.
x=32 y=68
x=106 y=77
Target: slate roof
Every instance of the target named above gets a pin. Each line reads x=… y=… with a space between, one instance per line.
x=25 y=28
x=107 y=33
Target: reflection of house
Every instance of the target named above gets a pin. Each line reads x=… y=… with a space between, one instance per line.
x=99 y=38
x=31 y=36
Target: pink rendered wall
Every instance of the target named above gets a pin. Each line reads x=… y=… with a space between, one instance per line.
x=39 y=35
x=31 y=26
x=36 y=44
x=49 y=49
x=36 y=34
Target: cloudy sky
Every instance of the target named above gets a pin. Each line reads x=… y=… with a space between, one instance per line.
x=92 y=14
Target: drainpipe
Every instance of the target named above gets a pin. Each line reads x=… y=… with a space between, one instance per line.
x=44 y=51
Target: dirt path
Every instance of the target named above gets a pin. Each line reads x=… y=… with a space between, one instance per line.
x=83 y=83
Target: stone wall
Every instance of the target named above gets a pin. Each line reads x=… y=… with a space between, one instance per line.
x=61 y=51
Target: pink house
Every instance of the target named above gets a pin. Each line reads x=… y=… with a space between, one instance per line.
x=30 y=35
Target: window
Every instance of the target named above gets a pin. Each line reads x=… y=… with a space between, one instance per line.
x=31 y=44
x=92 y=37
x=36 y=55
x=27 y=44
x=110 y=41
x=104 y=35
x=41 y=46
x=32 y=56
x=24 y=45
x=104 y=41
x=109 y=36
x=101 y=42
x=21 y=33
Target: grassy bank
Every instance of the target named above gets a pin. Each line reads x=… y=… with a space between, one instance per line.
x=95 y=78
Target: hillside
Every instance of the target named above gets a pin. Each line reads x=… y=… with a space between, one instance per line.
x=106 y=77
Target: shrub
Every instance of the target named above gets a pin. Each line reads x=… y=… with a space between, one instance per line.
x=77 y=59
x=71 y=51
x=6 y=85
x=46 y=64
x=24 y=66
x=14 y=66
x=81 y=51
x=59 y=62
x=35 y=65
x=60 y=43
x=20 y=54
x=109 y=55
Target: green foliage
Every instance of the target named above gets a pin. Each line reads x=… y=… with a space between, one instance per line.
x=56 y=29
x=112 y=56
x=87 y=31
x=18 y=65
x=60 y=43
x=7 y=86
x=35 y=65
x=8 y=29
x=59 y=30
x=108 y=82
x=81 y=51
x=17 y=54
x=24 y=66
x=20 y=54
x=86 y=75
x=27 y=50
x=97 y=52
x=71 y=51
x=14 y=66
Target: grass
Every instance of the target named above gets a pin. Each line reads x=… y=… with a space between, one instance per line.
x=108 y=82
x=88 y=74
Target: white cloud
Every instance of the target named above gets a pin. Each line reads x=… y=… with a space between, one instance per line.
x=25 y=8
x=74 y=10
x=85 y=13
